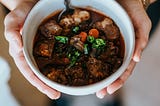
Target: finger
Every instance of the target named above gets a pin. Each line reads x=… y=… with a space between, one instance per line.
x=120 y=81
x=14 y=49
x=32 y=78
x=51 y=93
x=100 y=94
x=15 y=42
x=115 y=86
x=13 y=24
x=128 y=71
x=14 y=21
x=16 y=52
x=12 y=29
x=142 y=34
x=141 y=42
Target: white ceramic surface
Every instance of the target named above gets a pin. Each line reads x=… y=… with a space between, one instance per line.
x=109 y=7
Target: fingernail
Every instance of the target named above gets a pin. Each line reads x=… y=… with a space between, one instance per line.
x=100 y=95
x=136 y=58
x=111 y=89
x=53 y=96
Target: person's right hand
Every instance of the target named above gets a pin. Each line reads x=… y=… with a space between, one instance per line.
x=13 y=24
x=141 y=23
x=142 y=26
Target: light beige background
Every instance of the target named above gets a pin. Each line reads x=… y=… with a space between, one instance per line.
x=141 y=89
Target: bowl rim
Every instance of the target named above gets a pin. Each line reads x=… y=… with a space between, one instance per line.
x=87 y=89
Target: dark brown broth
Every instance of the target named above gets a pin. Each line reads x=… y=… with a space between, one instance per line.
x=43 y=62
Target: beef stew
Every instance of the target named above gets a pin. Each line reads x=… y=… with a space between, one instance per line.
x=82 y=48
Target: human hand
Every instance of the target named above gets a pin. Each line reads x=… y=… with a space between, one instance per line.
x=142 y=26
x=13 y=25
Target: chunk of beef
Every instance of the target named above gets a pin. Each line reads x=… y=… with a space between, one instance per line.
x=110 y=29
x=110 y=51
x=79 y=82
x=50 y=29
x=67 y=22
x=76 y=75
x=97 y=68
x=85 y=26
x=115 y=61
x=56 y=75
x=44 y=48
x=118 y=63
x=60 y=60
x=75 y=72
x=79 y=16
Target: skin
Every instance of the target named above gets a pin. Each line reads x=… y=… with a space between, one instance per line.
x=142 y=26
x=13 y=25
x=14 y=22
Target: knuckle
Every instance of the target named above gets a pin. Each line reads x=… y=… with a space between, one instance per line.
x=121 y=82
x=125 y=76
x=144 y=42
x=11 y=52
x=11 y=17
x=14 y=50
x=149 y=23
x=8 y=21
x=8 y=36
x=146 y=25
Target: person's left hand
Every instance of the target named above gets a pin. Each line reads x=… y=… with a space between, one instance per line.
x=13 y=25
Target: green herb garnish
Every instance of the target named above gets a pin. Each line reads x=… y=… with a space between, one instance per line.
x=62 y=39
x=73 y=57
x=90 y=39
x=77 y=53
x=76 y=29
x=99 y=44
x=86 y=49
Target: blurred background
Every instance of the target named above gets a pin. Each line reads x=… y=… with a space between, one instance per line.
x=141 y=89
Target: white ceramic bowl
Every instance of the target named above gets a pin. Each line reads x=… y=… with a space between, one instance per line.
x=109 y=7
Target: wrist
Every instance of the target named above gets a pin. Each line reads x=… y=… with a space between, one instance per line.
x=146 y=3
x=152 y=1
